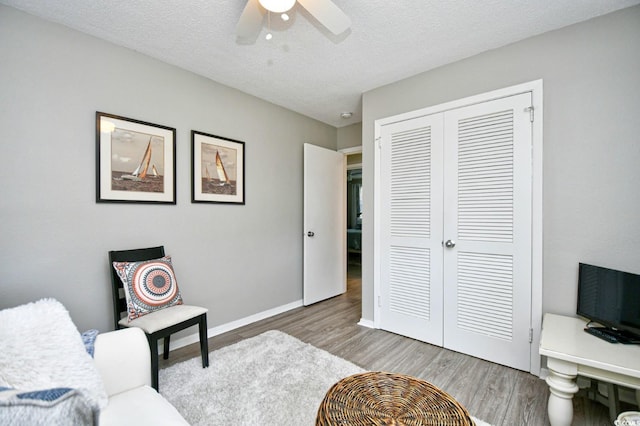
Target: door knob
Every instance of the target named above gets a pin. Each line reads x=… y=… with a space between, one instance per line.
x=450 y=244
x=310 y=234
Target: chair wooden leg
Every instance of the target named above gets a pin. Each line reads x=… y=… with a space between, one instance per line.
x=153 y=345
x=204 y=344
x=165 y=354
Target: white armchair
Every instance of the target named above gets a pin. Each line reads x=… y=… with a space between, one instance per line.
x=47 y=375
x=123 y=359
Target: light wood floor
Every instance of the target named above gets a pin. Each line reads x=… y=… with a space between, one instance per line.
x=493 y=393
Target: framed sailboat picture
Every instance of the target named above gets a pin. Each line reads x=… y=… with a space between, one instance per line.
x=217 y=169
x=136 y=161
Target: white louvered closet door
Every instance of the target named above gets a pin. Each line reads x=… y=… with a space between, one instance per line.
x=487 y=214
x=411 y=233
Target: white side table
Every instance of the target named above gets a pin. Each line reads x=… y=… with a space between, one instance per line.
x=571 y=352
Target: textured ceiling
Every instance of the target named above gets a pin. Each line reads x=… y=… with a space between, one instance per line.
x=304 y=67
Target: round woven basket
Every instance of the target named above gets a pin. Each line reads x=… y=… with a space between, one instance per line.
x=378 y=398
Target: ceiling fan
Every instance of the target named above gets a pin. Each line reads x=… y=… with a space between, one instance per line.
x=325 y=11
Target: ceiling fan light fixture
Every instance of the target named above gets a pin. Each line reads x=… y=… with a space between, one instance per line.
x=277 y=6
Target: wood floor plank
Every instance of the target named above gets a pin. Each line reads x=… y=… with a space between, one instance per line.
x=527 y=404
x=442 y=369
x=489 y=401
x=496 y=394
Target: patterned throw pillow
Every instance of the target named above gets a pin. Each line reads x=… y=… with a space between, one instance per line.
x=148 y=285
x=89 y=340
x=56 y=406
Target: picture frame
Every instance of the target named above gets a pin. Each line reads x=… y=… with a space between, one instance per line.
x=217 y=169
x=135 y=161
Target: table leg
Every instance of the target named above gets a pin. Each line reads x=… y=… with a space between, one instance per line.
x=562 y=387
x=614 y=401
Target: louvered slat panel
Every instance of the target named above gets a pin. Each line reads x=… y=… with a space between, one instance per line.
x=410 y=281
x=485 y=294
x=410 y=193
x=485 y=177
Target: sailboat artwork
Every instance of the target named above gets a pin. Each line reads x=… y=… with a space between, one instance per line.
x=222 y=173
x=218 y=169
x=223 y=160
x=128 y=145
x=136 y=161
x=141 y=171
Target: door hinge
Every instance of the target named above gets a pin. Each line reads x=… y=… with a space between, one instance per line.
x=530 y=335
x=379 y=302
x=379 y=140
x=530 y=110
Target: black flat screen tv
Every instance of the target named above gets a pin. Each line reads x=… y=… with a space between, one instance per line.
x=610 y=298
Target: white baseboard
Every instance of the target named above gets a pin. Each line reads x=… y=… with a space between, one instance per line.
x=366 y=323
x=217 y=330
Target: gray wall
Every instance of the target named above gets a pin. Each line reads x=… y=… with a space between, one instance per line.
x=350 y=136
x=591 y=77
x=235 y=260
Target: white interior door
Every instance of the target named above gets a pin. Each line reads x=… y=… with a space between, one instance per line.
x=325 y=225
x=487 y=229
x=411 y=234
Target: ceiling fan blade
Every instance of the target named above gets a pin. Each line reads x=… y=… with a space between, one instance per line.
x=328 y=14
x=250 y=23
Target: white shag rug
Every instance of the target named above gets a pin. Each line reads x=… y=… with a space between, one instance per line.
x=269 y=380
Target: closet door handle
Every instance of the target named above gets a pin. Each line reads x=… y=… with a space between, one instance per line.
x=450 y=244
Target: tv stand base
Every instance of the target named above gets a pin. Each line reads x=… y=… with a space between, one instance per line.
x=571 y=352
